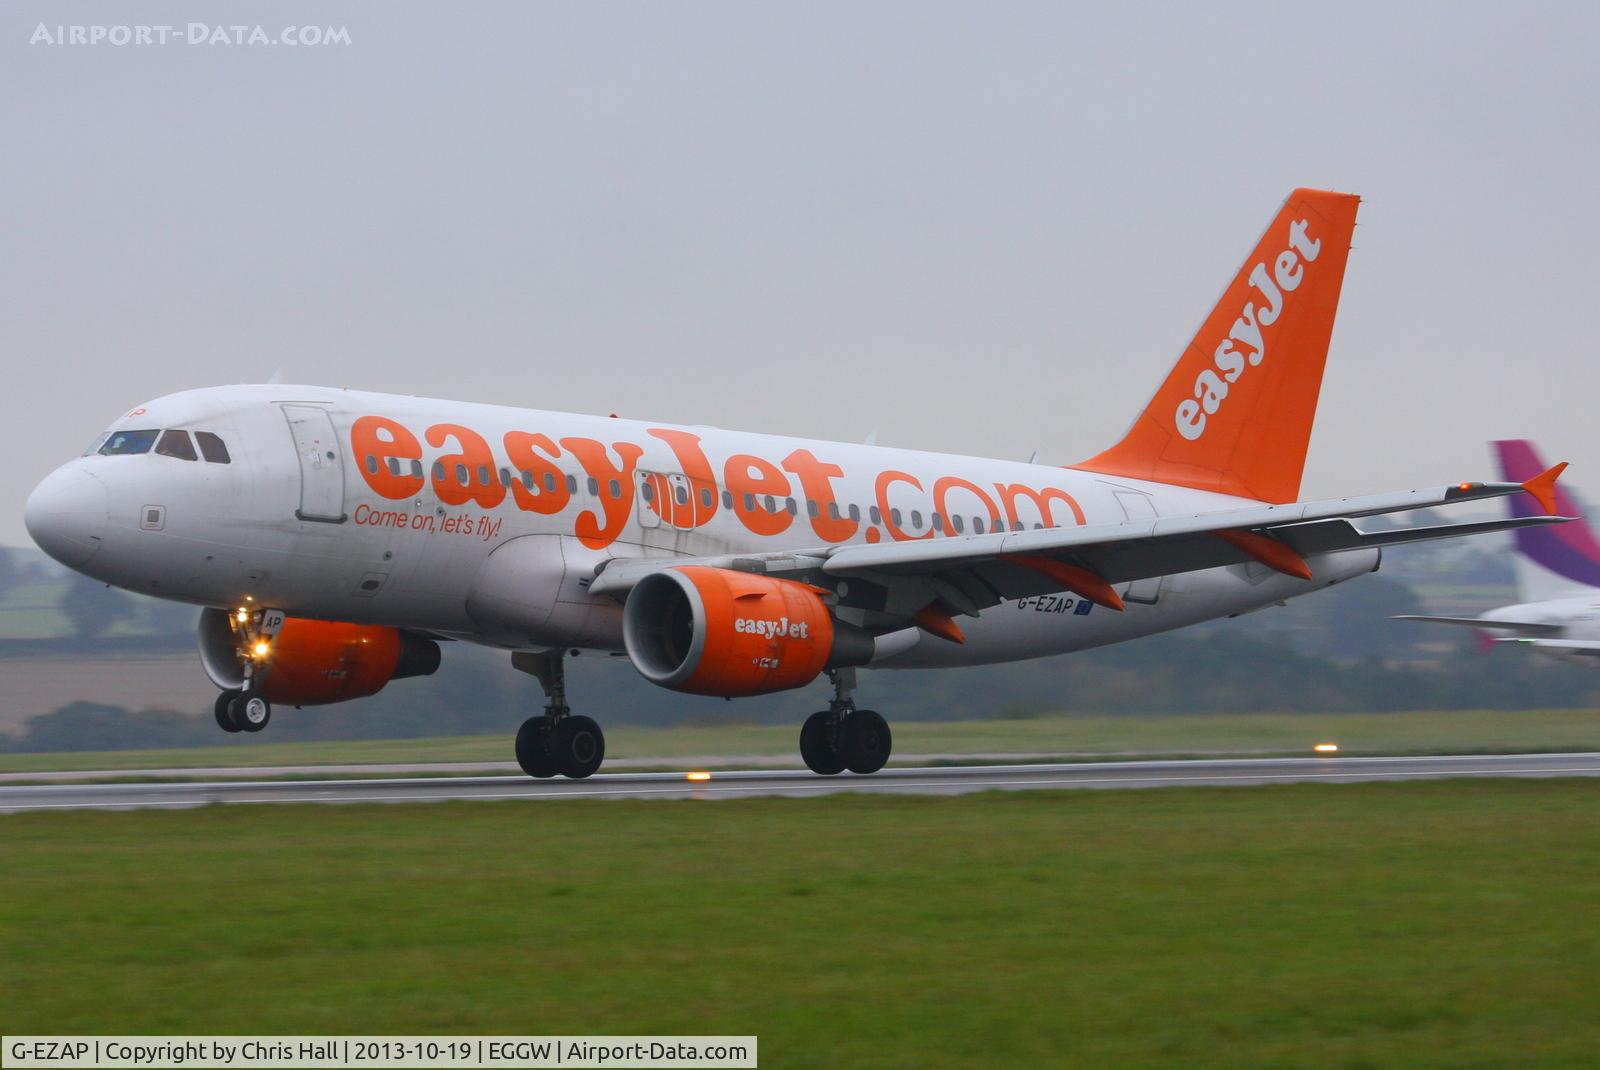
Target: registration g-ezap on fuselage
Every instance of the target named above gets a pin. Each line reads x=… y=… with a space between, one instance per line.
x=335 y=536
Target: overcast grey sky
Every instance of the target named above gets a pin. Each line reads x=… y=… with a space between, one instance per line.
x=981 y=228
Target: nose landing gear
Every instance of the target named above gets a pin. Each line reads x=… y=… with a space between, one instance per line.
x=240 y=711
x=558 y=741
x=843 y=737
x=245 y=709
x=222 y=709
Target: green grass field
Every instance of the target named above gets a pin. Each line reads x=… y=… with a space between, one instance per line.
x=1425 y=924
x=1437 y=731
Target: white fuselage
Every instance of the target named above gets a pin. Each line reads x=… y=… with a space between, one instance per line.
x=325 y=510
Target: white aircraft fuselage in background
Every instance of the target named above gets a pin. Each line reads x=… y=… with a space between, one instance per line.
x=1557 y=574
x=335 y=535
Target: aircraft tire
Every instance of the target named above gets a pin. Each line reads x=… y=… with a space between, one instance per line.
x=579 y=746
x=533 y=751
x=250 y=712
x=224 y=715
x=816 y=749
x=865 y=741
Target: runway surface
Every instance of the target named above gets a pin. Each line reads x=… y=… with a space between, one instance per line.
x=943 y=780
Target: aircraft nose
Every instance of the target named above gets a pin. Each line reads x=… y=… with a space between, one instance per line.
x=66 y=515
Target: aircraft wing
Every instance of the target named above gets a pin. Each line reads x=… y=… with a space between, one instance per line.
x=1523 y=627
x=967 y=574
x=1581 y=647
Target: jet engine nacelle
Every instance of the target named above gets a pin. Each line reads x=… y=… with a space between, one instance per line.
x=313 y=662
x=714 y=631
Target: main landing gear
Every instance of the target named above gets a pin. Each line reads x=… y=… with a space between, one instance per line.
x=558 y=741
x=842 y=737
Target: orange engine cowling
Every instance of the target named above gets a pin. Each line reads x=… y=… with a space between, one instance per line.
x=714 y=631
x=315 y=662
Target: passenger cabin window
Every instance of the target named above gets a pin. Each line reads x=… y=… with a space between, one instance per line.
x=128 y=442
x=212 y=448
x=176 y=444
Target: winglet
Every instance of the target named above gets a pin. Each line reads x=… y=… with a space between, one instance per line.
x=1543 y=487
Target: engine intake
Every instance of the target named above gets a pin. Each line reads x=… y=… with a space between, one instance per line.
x=714 y=631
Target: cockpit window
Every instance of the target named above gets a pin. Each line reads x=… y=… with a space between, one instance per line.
x=128 y=442
x=212 y=448
x=94 y=447
x=176 y=444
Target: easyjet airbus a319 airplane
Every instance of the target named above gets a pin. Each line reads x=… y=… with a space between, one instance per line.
x=335 y=537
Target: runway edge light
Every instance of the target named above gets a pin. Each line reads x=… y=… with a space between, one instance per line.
x=1326 y=748
x=697 y=775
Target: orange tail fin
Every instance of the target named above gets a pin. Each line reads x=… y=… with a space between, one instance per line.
x=1235 y=413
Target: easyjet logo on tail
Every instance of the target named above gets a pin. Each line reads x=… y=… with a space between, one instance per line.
x=1245 y=346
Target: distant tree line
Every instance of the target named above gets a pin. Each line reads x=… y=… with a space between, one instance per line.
x=1207 y=671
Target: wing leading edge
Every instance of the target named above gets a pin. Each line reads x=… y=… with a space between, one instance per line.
x=970 y=573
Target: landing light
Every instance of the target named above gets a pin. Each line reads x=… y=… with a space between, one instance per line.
x=697 y=776
x=1326 y=748
x=262 y=648
x=242 y=616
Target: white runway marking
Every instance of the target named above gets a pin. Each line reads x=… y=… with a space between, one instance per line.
x=943 y=780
